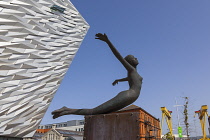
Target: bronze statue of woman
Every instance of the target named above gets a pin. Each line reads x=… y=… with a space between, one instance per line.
x=122 y=99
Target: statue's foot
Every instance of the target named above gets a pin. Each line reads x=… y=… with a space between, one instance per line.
x=59 y=112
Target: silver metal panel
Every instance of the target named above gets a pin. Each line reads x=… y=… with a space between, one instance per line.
x=37 y=45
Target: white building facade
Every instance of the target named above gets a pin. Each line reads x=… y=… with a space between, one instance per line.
x=38 y=41
x=73 y=125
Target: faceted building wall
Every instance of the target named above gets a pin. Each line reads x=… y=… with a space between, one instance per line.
x=38 y=41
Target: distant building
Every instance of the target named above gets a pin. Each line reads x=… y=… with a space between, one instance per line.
x=60 y=134
x=148 y=124
x=57 y=134
x=70 y=130
x=73 y=125
x=37 y=136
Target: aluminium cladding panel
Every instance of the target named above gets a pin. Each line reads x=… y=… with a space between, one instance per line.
x=37 y=45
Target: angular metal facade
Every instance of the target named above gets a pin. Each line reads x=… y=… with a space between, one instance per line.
x=37 y=45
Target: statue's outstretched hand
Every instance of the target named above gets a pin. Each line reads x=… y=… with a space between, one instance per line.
x=115 y=82
x=102 y=37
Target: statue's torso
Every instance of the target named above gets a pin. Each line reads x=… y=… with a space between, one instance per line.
x=135 y=80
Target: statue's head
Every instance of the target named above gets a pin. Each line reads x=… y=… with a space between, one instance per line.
x=132 y=60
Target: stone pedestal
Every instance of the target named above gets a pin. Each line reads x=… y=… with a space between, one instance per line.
x=119 y=126
x=131 y=124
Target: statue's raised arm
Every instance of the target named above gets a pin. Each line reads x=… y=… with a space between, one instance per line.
x=104 y=38
x=123 y=98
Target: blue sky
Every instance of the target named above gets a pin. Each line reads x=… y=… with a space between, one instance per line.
x=170 y=38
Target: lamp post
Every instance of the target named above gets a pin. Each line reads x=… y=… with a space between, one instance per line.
x=179 y=126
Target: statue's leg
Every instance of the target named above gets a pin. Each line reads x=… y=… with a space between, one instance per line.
x=120 y=101
x=68 y=111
